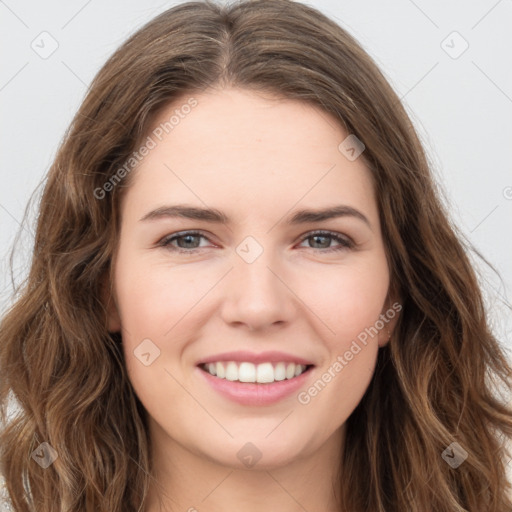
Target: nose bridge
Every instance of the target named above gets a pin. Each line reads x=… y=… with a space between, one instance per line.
x=257 y=294
x=253 y=266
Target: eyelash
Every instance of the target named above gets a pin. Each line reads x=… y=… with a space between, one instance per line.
x=345 y=243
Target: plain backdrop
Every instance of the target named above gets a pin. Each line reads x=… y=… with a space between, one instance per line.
x=449 y=61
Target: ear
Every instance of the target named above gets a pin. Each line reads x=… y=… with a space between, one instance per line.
x=108 y=300
x=389 y=318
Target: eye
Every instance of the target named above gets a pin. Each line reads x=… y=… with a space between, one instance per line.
x=345 y=242
x=187 y=241
x=189 y=244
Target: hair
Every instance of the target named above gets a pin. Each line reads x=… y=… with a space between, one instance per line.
x=436 y=382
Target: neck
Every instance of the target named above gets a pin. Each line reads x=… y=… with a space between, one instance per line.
x=184 y=481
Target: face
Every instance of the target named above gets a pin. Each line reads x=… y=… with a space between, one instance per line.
x=288 y=310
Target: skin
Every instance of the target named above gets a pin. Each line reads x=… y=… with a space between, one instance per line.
x=258 y=159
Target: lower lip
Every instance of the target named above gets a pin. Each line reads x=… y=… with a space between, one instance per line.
x=254 y=393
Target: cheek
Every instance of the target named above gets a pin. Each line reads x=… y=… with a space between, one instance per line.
x=160 y=308
x=350 y=304
x=337 y=389
x=350 y=301
x=354 y=300
x=152 y=298
x=151 y=304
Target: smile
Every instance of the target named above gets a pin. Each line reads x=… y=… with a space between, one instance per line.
x=255 y=384
x=263 y=373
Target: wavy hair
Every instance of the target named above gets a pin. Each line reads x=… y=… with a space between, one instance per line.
x=439 y=379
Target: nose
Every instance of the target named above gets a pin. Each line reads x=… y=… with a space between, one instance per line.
x=258 y=296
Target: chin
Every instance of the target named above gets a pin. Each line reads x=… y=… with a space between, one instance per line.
x=257 y=453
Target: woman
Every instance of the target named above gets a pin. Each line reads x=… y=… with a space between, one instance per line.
x=256 y=368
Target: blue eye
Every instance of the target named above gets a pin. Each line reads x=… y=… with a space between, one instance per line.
x=190 y=245
x=345 y=242
x=188 y=236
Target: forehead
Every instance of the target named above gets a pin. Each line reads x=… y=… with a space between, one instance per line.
x=248 y=149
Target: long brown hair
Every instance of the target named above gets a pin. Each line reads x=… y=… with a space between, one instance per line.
x=436 y=383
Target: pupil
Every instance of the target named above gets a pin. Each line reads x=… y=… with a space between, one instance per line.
x=188 y=237
x=316 y=237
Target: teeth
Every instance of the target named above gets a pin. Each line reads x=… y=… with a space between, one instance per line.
x=232 y=371
x=263 y=373
x=220 y=370
x=280 y=371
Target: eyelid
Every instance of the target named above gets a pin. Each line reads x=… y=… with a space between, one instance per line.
x=346 y=242
x=165 y=241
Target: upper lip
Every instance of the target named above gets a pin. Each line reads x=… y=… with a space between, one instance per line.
x=251 y=357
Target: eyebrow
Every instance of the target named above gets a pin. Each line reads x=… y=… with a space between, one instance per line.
x=216 y=216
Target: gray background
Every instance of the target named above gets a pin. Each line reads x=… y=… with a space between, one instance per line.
x=460 y=102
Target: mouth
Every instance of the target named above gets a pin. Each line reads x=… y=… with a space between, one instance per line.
x=255 y=379
x=251 y=373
